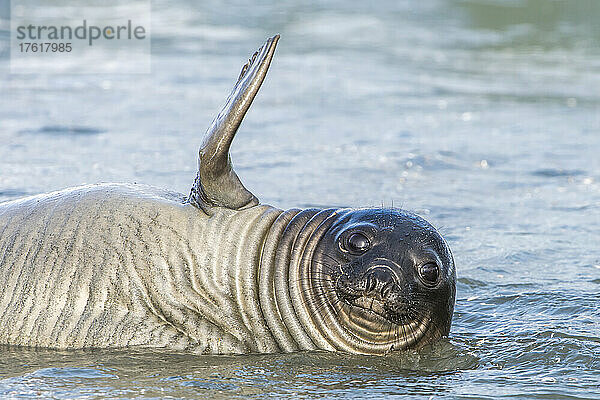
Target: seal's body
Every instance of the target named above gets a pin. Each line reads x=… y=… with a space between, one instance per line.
x=116 y=265
x=123 y=265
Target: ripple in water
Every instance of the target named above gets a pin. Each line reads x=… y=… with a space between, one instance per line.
x=482 y=115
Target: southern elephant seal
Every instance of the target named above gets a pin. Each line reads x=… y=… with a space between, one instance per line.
x=130 y=265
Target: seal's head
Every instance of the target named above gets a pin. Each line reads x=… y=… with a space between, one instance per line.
x=387 y=277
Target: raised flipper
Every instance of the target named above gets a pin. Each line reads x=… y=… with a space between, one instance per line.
x=217 y=184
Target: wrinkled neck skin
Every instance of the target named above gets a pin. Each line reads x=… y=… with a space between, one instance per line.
x=285 y=290
x=271 y=298
x=250 y=285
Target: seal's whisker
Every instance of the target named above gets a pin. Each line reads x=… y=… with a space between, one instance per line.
x=324 y=263
x=315 y=279
x=332 y=258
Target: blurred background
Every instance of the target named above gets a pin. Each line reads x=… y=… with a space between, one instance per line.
x=483 y=116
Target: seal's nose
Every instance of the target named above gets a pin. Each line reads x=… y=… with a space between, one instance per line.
x=380 y=280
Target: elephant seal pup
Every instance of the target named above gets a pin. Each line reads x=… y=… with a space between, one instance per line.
x=216 y=272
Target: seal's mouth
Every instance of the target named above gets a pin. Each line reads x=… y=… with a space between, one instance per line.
x=376 y=292
x=390 y=310
x=371 y=305
x=375 y=306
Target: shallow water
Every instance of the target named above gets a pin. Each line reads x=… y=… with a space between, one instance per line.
x=481 y=115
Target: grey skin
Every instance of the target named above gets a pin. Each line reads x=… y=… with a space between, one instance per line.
x=118 y=265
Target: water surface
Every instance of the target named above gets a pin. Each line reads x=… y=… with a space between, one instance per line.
x=483 y=116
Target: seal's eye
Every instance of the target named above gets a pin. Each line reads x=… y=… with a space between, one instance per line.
x=357 y=243
x=429 y=273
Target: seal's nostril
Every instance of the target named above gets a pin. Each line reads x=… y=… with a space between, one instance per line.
x=383 y=274
x=371 y=283
x=379 y=279
x=387 y=289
